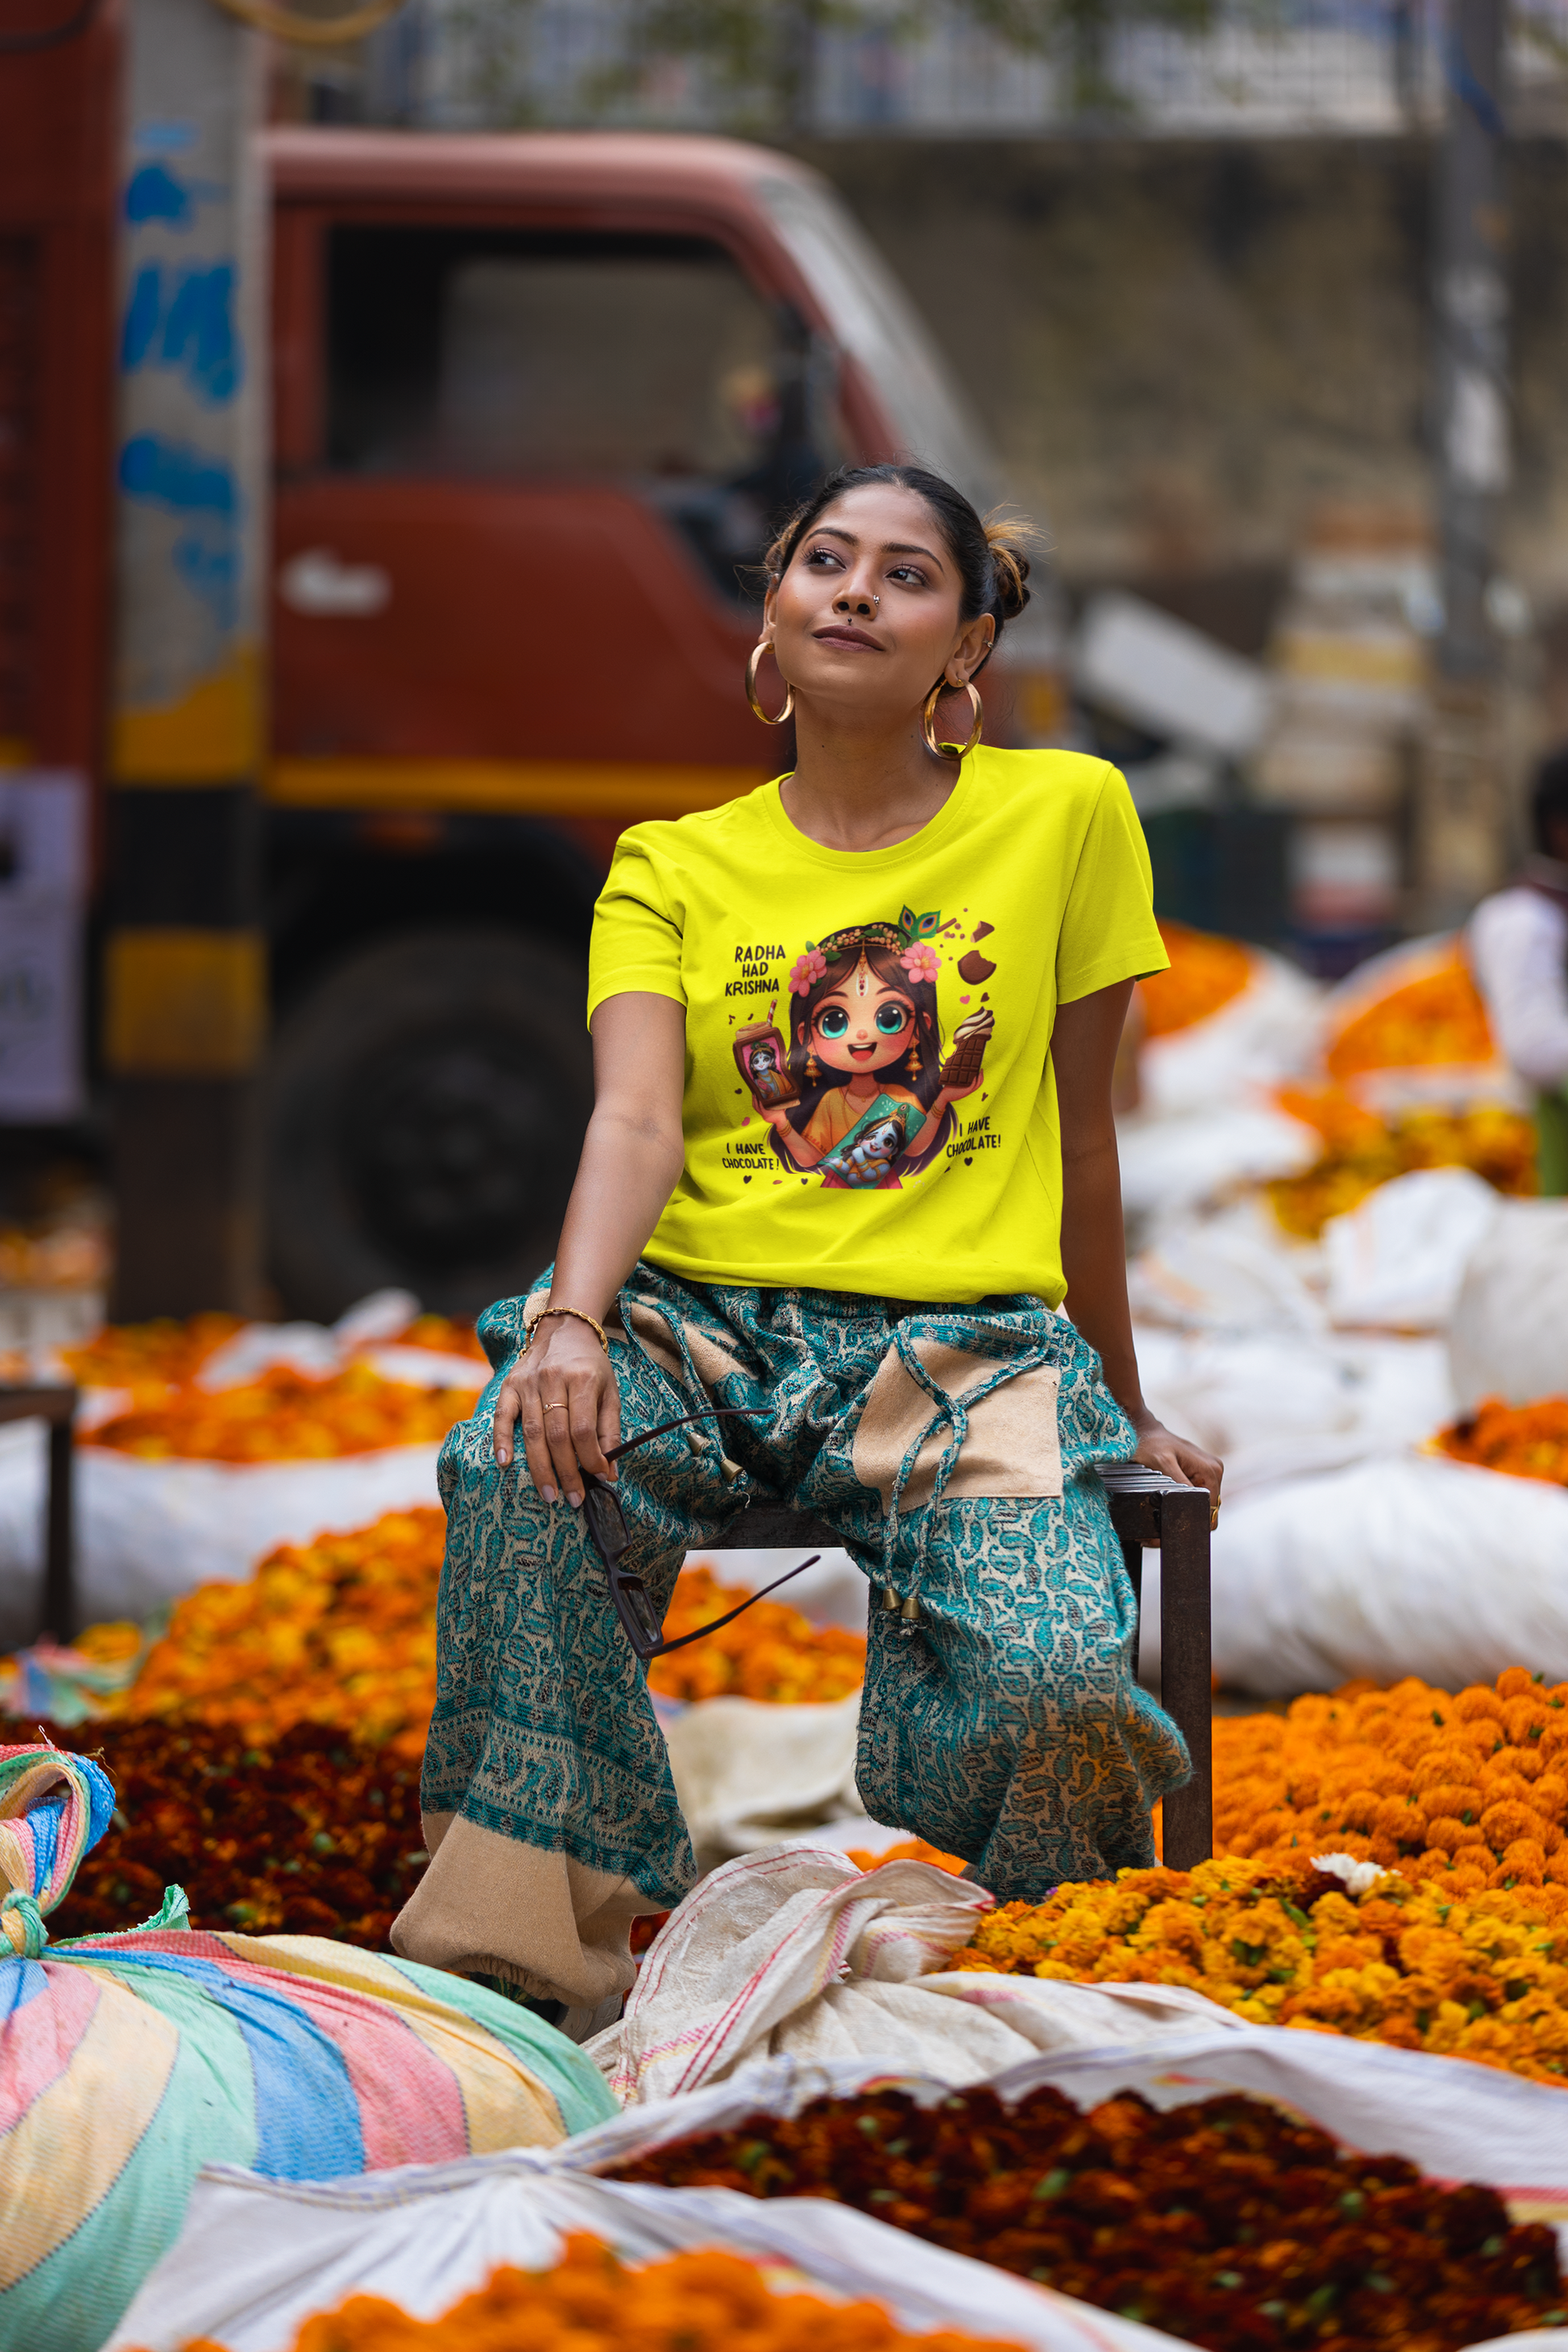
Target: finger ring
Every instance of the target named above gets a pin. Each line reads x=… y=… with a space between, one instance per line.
x=1213 y=1518
x=556 y=1408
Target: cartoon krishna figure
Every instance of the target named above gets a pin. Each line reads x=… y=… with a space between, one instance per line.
x=865 y=1054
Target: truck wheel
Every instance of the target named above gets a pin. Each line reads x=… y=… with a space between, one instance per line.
x=426 y=1105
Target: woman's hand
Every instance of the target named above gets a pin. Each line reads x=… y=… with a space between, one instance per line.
x=563 y=1392
x=563 y=1396
x=1182 y=1459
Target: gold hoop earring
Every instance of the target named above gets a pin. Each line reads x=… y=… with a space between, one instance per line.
x=758 y=650
x=927 y=718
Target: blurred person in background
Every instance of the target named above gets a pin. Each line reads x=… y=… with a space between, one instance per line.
x=1519 y=953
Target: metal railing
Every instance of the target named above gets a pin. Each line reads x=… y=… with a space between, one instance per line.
x=1258 y=68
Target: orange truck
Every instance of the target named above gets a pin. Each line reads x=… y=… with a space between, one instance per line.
x=538 y=401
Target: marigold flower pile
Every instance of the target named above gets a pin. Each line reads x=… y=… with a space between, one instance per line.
x=340 y=1631
x=1362 y=1151
x=167 y=1353
x=1527 y=1440
x=283 y=1415
x=148 y=1358
x=1469 y=1790
x=1225 y=2223
x=70 y=1256
x=1204 y=974
x=1436 y=1017
x=592 y=2302
x=310 y=1834
x=771 y=1652
x=1481 y=1976
x=913 y=1849
x=1462 y=1949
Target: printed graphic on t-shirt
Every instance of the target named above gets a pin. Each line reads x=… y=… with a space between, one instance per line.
x=860 y=1092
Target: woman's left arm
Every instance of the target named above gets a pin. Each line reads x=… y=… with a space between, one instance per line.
x=1094 y=1252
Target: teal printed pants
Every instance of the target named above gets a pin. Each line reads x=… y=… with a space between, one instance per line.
x=951 y=1449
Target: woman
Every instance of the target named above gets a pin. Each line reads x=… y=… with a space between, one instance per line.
x=906 y=1376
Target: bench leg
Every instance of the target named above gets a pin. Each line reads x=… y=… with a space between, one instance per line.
x=60 y=1589
x=1186 y=1669
x=1133 y=1557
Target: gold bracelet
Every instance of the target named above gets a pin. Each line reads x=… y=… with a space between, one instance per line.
x=577 y=1315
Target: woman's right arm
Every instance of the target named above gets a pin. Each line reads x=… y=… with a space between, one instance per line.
x=632 y=1156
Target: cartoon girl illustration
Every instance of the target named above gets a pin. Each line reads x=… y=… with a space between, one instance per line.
x=865 y=1052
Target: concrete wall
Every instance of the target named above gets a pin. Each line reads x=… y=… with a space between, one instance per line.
x=1183 y=349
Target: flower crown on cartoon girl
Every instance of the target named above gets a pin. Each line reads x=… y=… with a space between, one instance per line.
x=909 y=938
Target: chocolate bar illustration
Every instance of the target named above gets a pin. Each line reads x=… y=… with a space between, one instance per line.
x=970 y=1039
x=761 y=1059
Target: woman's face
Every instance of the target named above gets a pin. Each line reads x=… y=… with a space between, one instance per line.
x=867 y=614
x=862 y=1026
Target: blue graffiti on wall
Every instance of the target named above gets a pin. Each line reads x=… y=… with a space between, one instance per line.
x=202 y=490
x=153 y=194
x=169 y=473
x=184 y=320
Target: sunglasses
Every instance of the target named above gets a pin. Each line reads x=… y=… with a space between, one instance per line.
x=606 y=1526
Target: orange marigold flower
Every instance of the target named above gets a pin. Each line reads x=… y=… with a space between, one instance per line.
x=591 y=2302
x=1446 y=1831
x=1500 y=1824
x=1527 y=1440
x=1204 y=974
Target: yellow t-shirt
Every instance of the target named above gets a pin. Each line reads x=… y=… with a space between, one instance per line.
x=826 y=991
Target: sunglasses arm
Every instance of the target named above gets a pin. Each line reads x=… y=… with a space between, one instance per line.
x=708 y=1412
x=730 y=1616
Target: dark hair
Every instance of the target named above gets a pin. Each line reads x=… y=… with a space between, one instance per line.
x=1549 y=799
x=881 y=946
x=991 y=565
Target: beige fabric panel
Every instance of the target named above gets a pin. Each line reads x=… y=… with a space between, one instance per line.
x=653 y=1330
x=1013 y=1447
x=485 y=1898
x=712 y=1363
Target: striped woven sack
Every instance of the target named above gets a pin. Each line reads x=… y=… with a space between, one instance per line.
x=128 y=2062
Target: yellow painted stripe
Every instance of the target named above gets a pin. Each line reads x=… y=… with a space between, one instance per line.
x=184 y=1004
x=624 y=789
x=212 y=735
x=65 y=2154
x=503 y=2105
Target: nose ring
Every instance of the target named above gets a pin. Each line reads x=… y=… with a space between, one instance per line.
x=860 y=601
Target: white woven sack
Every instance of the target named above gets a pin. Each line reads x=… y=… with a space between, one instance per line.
x=148 y=1532
x=1404 y=1564
x=750 y=1774
x=795 y=1953
x=1267 y=1032
x=1508 y=1336
x=257 y=2256
x=1397 y=1260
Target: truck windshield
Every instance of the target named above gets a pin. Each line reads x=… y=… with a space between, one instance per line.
x=875 y=321
x=651 y=361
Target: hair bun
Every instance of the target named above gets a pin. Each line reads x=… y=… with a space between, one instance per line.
x=1008 y=536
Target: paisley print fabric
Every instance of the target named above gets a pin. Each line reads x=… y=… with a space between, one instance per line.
x=1005 y=1725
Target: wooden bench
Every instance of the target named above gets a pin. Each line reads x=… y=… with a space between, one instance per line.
x=1147 y=1510
x=57 y=1406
